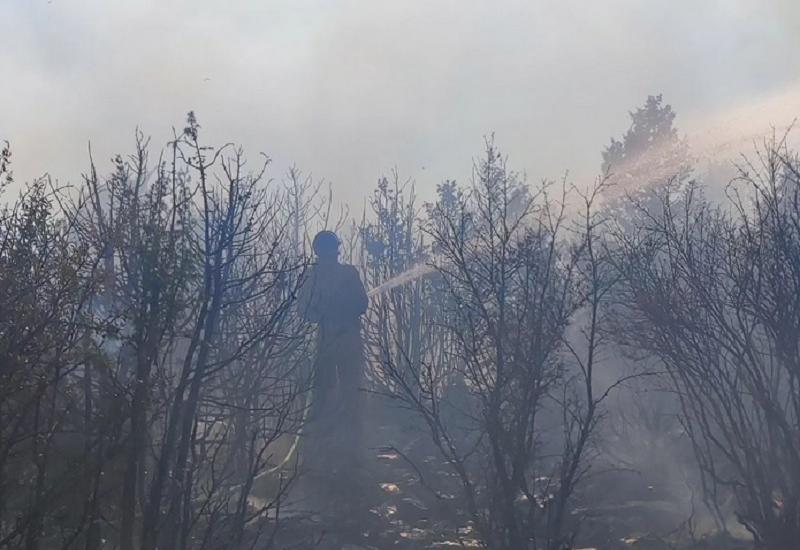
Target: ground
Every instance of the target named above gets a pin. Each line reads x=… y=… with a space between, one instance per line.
x=385 y=505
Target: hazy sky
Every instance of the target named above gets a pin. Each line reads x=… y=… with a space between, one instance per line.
x=350 y=89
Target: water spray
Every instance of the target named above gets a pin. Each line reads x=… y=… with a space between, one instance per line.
x=412 y=274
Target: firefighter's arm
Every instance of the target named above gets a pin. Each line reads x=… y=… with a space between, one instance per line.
x=360 y=299
x=306 y=302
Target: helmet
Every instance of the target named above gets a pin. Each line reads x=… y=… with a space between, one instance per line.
x=326 y=244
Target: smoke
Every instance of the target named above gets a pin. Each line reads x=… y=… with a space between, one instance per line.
x=348 y=90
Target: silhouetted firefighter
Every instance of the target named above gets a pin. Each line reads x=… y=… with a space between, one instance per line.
x=334 y=298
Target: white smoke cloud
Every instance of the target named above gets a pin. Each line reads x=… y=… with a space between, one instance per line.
x=350 y=89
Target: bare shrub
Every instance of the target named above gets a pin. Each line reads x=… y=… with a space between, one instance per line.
x=713 y=293
x=512 y=275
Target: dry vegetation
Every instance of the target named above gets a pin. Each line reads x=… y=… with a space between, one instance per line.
x=576 y=366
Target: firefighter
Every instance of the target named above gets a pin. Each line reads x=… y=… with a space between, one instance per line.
x=333 y=297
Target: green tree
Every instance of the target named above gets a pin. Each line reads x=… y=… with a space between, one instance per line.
x=650 y=152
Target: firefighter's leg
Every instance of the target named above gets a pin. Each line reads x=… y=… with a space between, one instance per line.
x=324 y=379
x=351 y=375
x=321 y=424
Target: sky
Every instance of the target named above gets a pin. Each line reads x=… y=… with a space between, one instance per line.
x=350 y=90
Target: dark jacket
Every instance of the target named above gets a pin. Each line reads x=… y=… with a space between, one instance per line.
x=333 y=296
